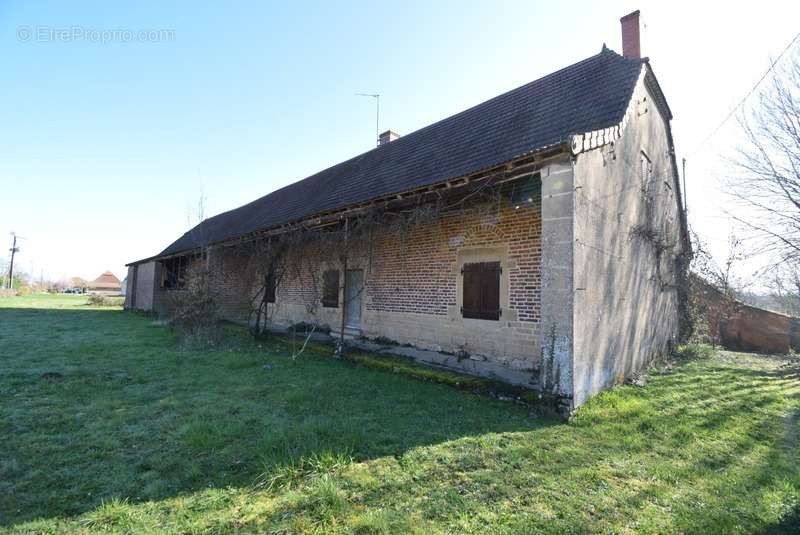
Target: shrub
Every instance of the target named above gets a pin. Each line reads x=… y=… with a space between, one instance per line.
x=693 y=351
x=97 y=300
x=193 y=311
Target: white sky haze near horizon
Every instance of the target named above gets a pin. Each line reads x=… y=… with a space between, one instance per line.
x=105 y=147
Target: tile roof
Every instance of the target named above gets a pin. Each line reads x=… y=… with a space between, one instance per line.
x=106 y=280
x=589 y=95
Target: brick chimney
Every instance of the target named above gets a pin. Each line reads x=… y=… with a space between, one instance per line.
x=387 y=137
x=631 y=46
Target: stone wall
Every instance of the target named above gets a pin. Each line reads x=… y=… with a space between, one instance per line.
x=556 y=336
x=627 y=236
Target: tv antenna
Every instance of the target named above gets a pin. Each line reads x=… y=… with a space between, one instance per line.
x=377 y=98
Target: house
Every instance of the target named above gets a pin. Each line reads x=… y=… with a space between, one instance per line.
x=537 y=237
x=77 y=284
x=106 y=284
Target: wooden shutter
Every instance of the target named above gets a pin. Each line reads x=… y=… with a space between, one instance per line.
x=490 y=309
x=481 y=297
x=271 y=284
x=330 y=288
x=472 y=291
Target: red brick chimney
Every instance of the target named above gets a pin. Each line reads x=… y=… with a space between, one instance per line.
x=631 y=47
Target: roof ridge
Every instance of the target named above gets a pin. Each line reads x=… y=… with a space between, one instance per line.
x=404 y=137
x=589 y=94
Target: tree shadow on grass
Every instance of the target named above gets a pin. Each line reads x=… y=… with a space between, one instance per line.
x=102 y=405
x=789 y=524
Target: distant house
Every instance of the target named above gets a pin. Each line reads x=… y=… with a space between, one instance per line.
x=536 y=238
x=77 y=283
x=106 y=283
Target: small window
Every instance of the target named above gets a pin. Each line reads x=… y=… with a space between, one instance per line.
x=330 y=288
x=271 y=285
x=481 y=299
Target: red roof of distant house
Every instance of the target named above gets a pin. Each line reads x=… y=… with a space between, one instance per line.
x=106 y=281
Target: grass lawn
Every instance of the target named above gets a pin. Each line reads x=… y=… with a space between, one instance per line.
x=106 y=426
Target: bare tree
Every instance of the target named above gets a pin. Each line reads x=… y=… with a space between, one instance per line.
x=289 y=261
x=784 y=286
x=766 y=181
x=725 y=276
x=192 y=307
x=714 y=289
x=263 y=268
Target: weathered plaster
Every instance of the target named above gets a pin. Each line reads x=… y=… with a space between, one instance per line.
x=556 y=336
x=625 y=302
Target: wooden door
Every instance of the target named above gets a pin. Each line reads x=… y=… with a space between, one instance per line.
x=352 y=300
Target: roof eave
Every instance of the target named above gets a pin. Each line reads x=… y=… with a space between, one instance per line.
x=548 y=152
x=585 y=141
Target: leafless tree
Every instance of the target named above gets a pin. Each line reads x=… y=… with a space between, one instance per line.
x=192 y=307
x=784 y=286
x=714 y=288
x=725 y=276
x=766 y=178
x=3 y=269
x=263 y=265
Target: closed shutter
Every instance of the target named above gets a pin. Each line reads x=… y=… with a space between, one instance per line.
x=481 y=297
x=472 y=291
x=330 y=288
x=491 y=290
x=270 y=289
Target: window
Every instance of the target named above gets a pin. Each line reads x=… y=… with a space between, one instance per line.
x=173 y=273
x=330 y=288
x=481 y=298
x=270 y=287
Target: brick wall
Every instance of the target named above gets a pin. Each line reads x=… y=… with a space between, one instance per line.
x=741 y=327
x=413 y=284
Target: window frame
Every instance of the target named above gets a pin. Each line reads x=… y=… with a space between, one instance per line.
x=487 y=275
x=271 y=287
x=330 y=296
x=173 y=273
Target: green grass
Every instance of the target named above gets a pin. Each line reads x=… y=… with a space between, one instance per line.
x=106 y=426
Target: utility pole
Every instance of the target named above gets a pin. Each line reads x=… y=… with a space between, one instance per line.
x=14 y=250
x=685 y=198
x=377 y=98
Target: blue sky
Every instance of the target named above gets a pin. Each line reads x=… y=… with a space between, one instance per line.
x=104 y=147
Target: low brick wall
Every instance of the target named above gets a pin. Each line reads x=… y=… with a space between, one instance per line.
x=756 y=329
x=741 y=327
x=5 y=292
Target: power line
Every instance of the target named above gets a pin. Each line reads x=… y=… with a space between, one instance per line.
x=739 y=105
